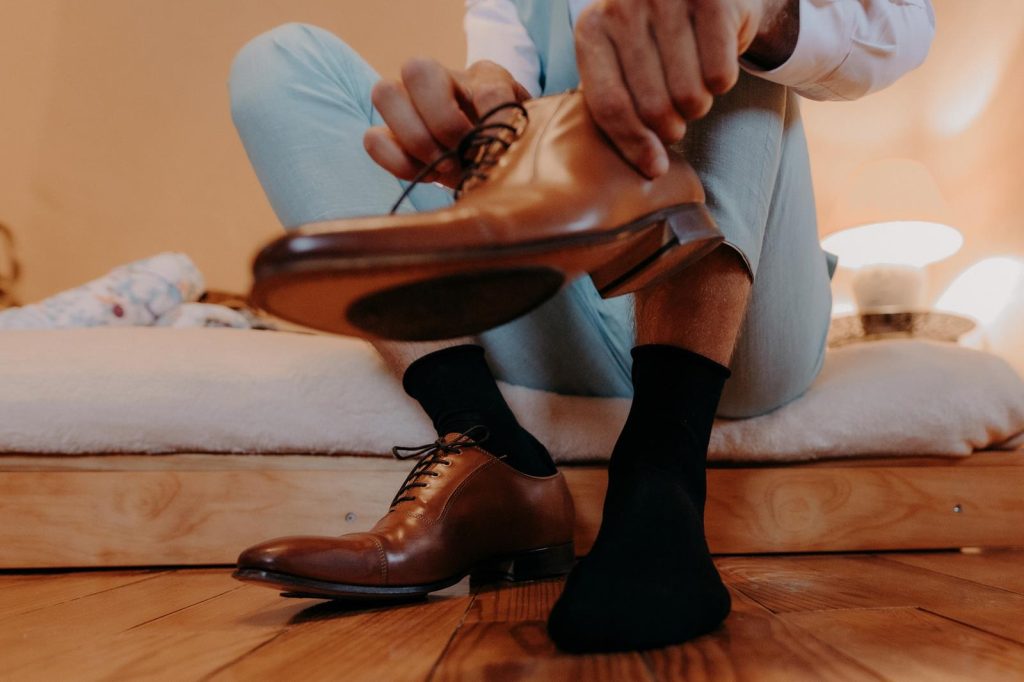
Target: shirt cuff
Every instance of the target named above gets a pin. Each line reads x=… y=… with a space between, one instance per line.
x=494 y=32
x=824 y=41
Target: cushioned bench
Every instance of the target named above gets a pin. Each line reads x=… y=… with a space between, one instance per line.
x=153 y=447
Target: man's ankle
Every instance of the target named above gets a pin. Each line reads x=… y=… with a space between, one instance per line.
x=456 y=388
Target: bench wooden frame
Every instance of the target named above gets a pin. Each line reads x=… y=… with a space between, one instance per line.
x=189 y=509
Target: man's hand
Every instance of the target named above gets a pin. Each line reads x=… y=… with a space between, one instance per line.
x=649 y=66
x=429 y=109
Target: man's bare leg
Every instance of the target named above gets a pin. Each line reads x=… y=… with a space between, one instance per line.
x=700 y=309
x=649 y=580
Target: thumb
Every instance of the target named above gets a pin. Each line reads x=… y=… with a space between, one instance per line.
x=491 y=88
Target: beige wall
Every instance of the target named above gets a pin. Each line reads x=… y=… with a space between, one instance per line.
x=115 y=136
x=959 y=115
x=116 y=143
x=26 y=68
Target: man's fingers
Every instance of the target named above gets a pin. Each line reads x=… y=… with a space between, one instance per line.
x=435 y=96
x=409 y=131
x=677 y=45
x=384 y=148
x=490 y=85
x=645 y=75
x=717 y=44
x=486 y=96
x=611 y=104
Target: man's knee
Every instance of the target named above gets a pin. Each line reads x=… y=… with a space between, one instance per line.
x=753 y=391
x=281 y=58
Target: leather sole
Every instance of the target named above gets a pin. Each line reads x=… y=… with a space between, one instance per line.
x=534 y=564
x=426 y=296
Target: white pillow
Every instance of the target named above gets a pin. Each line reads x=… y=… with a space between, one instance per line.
x=225 y=390
x=896 y=397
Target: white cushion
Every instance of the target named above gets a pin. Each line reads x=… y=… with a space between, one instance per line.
x=146 y=390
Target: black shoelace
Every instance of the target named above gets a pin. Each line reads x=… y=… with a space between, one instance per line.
x=474 y=152
x=430 y=455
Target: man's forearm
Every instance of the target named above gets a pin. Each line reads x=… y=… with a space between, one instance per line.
x=777 y=35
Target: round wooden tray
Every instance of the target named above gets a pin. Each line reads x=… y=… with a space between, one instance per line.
x=931 y=325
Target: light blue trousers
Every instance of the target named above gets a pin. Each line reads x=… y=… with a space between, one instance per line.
x=300 y=98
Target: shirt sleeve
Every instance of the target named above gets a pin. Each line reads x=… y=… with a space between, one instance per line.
x=494 y=32
x=849 y=48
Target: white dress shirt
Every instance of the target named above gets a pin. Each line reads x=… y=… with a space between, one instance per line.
x=845 y=48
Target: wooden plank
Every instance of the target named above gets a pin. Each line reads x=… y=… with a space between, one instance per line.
x=60 y=519
x=795 y=509
x=587 y=486
x=996 y=568
x=911 y=644
x=173 y=656
x=514 y=602
x=861 y=617
x=982 y=458
x=812 y=583
x=20 y=594
x=758 y=646
x=192 y=461
x=333 y=641
x=195 y=641
x=521 y=650
x=89 y=621
x=187 y=644
x=198 y=461
x=196 y=513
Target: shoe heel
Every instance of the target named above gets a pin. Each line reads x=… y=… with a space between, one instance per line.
x=671 y=240
x=532 y=565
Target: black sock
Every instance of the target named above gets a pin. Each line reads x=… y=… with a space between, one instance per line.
x=456 y=388
x=649 y=580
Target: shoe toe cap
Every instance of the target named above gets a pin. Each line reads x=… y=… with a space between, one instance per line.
x=269 y=555
x=348 y=559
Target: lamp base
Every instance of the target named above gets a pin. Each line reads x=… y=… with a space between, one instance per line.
x=934 y=326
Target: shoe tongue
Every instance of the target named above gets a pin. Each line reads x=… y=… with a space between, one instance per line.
x=470 y=437
x=457 y=439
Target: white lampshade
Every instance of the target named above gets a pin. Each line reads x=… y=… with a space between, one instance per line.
x=913 y=243
x=892 y=212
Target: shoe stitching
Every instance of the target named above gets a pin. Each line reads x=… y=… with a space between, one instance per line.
x=382 y=556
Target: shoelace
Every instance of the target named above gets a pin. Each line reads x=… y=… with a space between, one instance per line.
x=474 y=153
x=430 y=455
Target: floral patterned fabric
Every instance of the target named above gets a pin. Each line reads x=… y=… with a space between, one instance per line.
x=157 y=291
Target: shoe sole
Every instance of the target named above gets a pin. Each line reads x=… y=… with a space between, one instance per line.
x=546 y=562
x=429 y=296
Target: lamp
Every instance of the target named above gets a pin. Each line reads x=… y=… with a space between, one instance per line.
x=891 y=222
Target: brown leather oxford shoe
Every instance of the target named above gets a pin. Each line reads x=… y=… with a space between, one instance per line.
x=544 y=199
x=461 y=511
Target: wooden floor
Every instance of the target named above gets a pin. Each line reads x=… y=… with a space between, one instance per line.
x=919 y=616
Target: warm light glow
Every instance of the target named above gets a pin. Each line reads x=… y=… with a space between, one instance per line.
x=842 y=306
x=973 y=88
x=985 y=290
x=913 y=243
